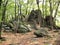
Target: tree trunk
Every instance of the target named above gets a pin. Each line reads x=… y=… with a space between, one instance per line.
x=0 y=22
x=27 y=7
x=56 y=10
x=4 y=11
x=3 y=16
x=43 y=10
x=51 y=12
x=20 y=12
x=0 y=29
x=15 y=10
x=0 y=2
x=39 y=16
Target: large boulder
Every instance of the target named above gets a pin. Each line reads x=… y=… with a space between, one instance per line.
x=48 y=21
x=6 y=27
x=34 y=16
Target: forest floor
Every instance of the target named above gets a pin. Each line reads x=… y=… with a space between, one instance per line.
x=28 y=39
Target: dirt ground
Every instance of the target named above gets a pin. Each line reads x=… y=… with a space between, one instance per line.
x=28 y=39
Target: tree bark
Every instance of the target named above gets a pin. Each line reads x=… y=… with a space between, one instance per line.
x=4 y=11
x=0 y=2
x=43 y=10
x=27 y=7
x=3 y=16
x=39 y=16
x=56 y=10
x=0 y=22
x=15 y=10
x=51 y=12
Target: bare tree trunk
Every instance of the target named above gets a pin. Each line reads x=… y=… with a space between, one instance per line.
x=4 y=10
x=20 y=9
x=56 y=10
x=0 y=2
x=27 y=7
x=43 y=10
x=39 y=16
x=18 y=4
x=15 y=9
x=0 y=29
x=3 y=16
x=0 y=22
x=51 y=12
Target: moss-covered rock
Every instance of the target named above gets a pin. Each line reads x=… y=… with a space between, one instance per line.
x=23 y=29
x=41 y=32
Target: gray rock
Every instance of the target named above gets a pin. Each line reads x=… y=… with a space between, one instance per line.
x=42 y=32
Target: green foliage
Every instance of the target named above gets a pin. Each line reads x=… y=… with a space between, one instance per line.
x=28 y=5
